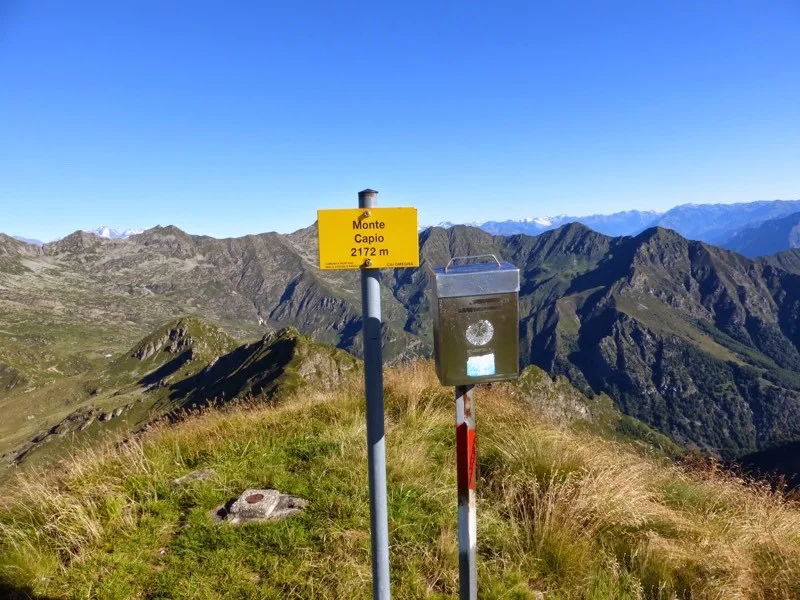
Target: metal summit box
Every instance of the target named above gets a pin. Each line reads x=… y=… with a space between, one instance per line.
x=476 y=321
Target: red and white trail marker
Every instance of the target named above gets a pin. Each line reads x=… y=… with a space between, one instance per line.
x=466 y=465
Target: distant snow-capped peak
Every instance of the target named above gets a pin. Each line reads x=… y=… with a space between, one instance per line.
x=104 y=231
x=132 y=231
x=540 y=221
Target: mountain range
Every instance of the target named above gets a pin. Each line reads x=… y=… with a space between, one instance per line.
x=103 y=231
x=716 y=224
x=696 y=341
x=621 y=223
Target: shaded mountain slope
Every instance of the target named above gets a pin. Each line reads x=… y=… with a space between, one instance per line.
x=789 y=260
x=696 y=341
x=185 y=363
x=779 y=462
x=13 y=252
x=770 y=237
x=284 y=361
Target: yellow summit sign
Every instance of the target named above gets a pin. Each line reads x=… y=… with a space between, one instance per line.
x=375 y=238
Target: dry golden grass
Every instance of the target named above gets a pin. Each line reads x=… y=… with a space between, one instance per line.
x=562 y=512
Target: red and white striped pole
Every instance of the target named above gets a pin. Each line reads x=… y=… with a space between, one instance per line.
x=466 y=464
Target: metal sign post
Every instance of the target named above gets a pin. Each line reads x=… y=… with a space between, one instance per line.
x=371 y=238
x=466 y=463
x=376 y=442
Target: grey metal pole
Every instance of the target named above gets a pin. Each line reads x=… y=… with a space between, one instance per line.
x=466 y=463
x=376 y=442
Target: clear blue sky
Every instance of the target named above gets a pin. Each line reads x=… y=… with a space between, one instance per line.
x=228 y=118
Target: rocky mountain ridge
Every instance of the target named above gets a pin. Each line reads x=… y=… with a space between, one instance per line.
x=698 y=342
x=187 y=363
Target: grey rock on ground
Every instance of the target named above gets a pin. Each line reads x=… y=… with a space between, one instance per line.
x=200 y=475
x=255 y=506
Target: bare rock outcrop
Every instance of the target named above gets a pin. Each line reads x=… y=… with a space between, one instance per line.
x=255 y=506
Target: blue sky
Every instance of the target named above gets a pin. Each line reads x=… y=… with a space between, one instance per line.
x=228 y=118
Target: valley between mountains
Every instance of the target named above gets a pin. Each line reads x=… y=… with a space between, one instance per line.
x=673 y=337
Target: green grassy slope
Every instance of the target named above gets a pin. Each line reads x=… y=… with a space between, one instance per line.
x=561 y=511
x=186 y=362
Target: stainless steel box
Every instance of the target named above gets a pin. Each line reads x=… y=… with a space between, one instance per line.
x=476 y=322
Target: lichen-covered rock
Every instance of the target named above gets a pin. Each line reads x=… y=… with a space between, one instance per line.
x=255 y=506
x=86 y=423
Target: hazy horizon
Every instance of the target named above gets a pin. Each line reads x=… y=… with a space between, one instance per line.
x=536 y=218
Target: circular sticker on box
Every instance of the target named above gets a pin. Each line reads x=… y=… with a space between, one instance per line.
x=480 y=333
